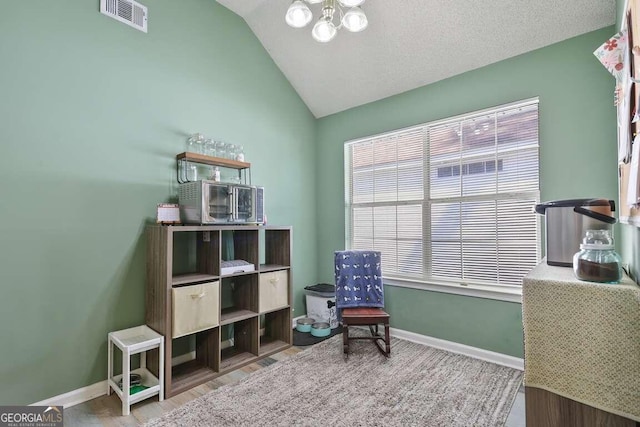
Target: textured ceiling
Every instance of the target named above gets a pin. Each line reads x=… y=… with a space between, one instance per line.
x=411 y=43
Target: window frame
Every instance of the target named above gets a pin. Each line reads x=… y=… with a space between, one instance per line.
x=502 y=292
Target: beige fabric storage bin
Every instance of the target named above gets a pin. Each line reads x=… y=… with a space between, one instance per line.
x=195 y=308
x=274 y=290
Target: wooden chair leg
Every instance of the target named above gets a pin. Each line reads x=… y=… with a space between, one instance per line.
x=378 y=339
x=387 y=339
x=345 y=338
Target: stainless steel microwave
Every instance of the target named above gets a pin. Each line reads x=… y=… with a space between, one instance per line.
x=211 y=202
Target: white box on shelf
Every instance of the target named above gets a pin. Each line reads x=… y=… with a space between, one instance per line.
x=236 y=266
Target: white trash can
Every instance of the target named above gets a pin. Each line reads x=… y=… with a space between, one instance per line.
x=321 y=303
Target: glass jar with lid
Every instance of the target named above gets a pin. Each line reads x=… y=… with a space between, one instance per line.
x=222 y=149
x=195 y=143
x=597 y=260
x=240 y=153
x=231 y=151
x=209 y=147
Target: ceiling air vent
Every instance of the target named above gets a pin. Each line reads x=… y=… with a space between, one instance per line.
x=128 y=11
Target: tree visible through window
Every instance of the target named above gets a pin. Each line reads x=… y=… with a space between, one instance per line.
x=449 y=200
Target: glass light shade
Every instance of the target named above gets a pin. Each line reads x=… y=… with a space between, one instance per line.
x=314 y=1
x=355 y=20
x=351 y=3
x=324 y=30
x=298 y=15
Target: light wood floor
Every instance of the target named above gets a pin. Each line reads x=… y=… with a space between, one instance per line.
x=107 y=410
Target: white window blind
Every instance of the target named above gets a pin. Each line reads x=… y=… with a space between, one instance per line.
x=449 y=200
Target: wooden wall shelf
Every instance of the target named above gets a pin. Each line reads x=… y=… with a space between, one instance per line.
x=212 y=161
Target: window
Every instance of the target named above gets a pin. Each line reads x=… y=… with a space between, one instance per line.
x=449 y=201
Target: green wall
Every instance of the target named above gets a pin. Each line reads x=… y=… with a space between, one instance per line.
x=92 y=114
x=577 y=159
x=619 y=12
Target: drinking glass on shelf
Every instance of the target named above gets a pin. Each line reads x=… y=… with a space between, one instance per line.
x=231 y=151
x=182 y=171
x=192 y=172
x=240 y=153
x=221 y=150
x=195 y=143
x=190 y=145
x=217 y=146
x=209 y=147
x=200 y=144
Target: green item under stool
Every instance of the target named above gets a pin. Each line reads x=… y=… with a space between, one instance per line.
x=137 y=389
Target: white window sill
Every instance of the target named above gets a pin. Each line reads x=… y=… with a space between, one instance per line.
x=510 y=294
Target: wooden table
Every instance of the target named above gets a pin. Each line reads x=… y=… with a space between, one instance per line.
x=582 y=350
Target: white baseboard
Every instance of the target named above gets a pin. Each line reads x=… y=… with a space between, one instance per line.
x=454 y=347
x=75 y=397
x=98 y=389
x=81 y=395
x=187 y=357
x=183 y=358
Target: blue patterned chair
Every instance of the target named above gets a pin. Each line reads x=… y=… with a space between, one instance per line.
x=360 y=297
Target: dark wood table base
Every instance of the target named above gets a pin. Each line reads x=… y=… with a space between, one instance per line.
x=546 y=409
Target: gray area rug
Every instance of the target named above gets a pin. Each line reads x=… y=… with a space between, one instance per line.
x=417 y=386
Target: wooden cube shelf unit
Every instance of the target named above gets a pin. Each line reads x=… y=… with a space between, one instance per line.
x=232 y=319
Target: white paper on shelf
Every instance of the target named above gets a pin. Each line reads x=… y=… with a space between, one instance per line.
x=624 y=121
x=633 y=188
x=236 y=266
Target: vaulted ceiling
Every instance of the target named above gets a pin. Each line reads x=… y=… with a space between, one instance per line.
x=411 y=43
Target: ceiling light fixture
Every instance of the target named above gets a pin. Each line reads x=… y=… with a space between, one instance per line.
x=353 y=19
